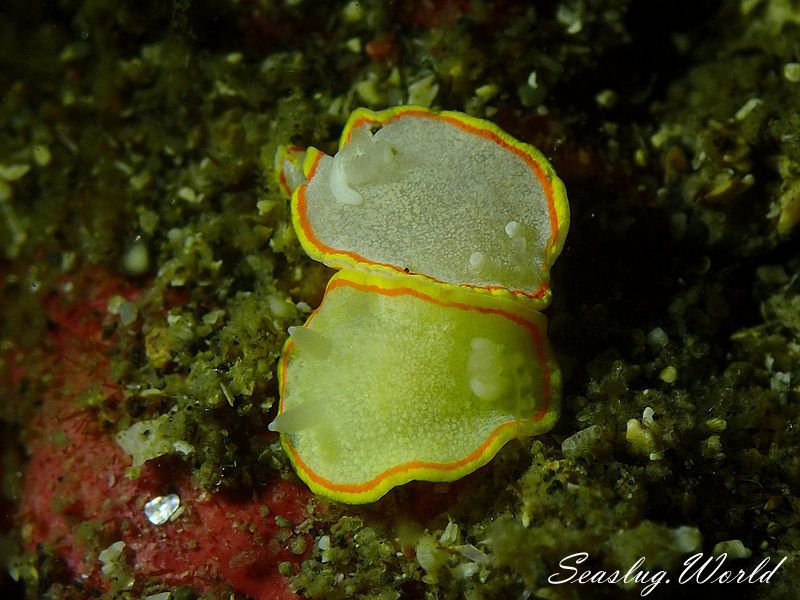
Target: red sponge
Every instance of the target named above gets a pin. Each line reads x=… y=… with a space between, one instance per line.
x=77 y=500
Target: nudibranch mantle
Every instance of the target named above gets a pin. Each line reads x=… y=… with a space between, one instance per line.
x=397 y=378
x=442 y=195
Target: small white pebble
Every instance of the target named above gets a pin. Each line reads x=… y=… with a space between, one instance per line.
x=265 y=206
x=747 y=108
x=42 y=155
x=641 y=438
x=213 y=317
x=140 y=181
x=688 y=539
x=668 y=374
x=354 y=45
x=791 y=71
x=581 y=441
x=68 y=260
x=570 y=16
x=110 y=555
x=14 y=172
x=657 y=337
x=780 y=381
x=5 y=191
x=423 y=91
x=473 y=554
x=234 y=58
x=280 y=307
x=717 y=424
x=606 y=98
x=182 y=447
x=465 y=570
x=127 y=313
x=772 y=274
x=148 y=221
x=226 y=392
x=136 y=260
x=487 y=91
x=450 y=535
x=188 y=194
x=353 y=12
x=159 y=510
x=733 y=548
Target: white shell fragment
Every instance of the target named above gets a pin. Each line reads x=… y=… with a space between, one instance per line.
x=159 y=510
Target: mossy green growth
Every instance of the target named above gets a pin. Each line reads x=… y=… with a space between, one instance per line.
x=725 y=141
x=353 y=560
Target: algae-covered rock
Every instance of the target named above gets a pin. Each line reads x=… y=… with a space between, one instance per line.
x=138 y=139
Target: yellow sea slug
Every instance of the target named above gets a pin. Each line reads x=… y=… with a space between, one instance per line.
x=396 y=378
x=444 y=195
x=427 y=353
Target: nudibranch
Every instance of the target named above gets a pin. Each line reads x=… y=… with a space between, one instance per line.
x=443 y=195
x=427 y=353
x=394 y=379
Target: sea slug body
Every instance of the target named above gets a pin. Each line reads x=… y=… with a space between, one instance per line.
x=428 y=352
x=427 y=193
x=388 y=402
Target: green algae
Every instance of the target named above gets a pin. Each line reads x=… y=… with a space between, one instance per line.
x=678 y=326
x=726 y=141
